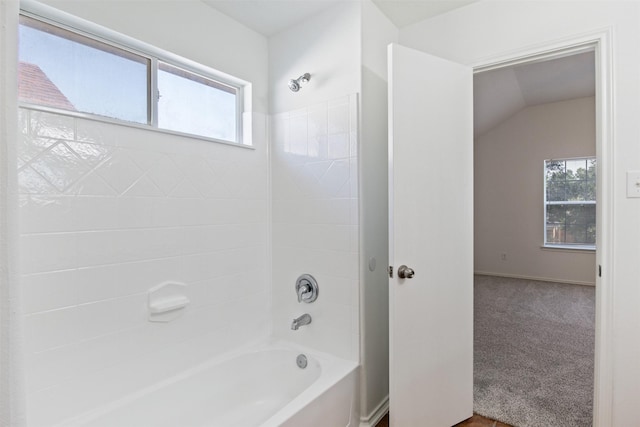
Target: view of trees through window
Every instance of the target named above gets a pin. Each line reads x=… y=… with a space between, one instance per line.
x=570 y=202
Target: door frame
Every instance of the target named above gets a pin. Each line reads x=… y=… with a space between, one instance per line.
x=601 y=43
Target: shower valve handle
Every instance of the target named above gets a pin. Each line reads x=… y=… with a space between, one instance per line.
x=303 y=291
x=306 y=288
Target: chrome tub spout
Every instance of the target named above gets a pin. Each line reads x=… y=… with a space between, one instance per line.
x=305 y=319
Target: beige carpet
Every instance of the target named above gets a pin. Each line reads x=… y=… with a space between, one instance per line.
x=533 y=352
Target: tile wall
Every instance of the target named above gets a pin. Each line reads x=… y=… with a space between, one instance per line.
x=108 y=212
x=315 y=223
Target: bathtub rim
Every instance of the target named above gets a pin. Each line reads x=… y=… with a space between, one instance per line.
x=332 y=370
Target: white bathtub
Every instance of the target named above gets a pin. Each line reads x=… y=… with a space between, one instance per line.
x=261 y=387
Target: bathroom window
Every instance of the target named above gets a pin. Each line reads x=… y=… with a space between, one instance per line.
x=64 y=70
x=194 y=104
x=570 y=203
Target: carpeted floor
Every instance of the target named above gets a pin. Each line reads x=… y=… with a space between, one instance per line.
x=533 y=352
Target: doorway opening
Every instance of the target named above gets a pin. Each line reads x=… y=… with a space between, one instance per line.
x=535 y=251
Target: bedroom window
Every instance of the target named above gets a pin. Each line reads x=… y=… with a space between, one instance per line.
x=570 y=203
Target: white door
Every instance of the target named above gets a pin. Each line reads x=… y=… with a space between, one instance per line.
x=431 y=232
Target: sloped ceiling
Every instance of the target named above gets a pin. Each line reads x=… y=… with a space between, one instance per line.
x=406 y=12
x=500 y=93
x=269 y=17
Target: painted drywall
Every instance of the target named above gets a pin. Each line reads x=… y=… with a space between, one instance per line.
x=314 y=179
x=328 y=47
x=490 y=29
x=377 y=33
x=508 y=214
x=108 y=212
x=12 y=374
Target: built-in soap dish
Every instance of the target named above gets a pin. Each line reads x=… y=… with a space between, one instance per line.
x=167 y=301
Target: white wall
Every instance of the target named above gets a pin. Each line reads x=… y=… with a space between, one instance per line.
x=509 y=191
x=315 y=224
x=345 y=51
x=377 y=33
x=109 y=211
x=314 y=181
x=487 y=29
x=12 y=402
x=328 y=47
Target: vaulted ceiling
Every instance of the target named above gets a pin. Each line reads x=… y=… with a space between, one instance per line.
x=269 y=17
x=500 y=93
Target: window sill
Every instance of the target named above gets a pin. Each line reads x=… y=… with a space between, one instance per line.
x=118 y=122
x=568 y=248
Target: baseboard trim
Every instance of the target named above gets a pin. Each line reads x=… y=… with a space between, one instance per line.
x=541 y=279
x=376 y=415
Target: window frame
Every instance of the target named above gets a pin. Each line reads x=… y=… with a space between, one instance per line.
x=155 y=56
x=115 y=49
x=546 y=203
x=157 y=66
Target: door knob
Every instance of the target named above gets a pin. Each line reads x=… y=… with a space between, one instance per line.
x=405 y=272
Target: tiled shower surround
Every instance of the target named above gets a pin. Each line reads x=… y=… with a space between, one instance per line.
x=314 y=173
x=108 y=212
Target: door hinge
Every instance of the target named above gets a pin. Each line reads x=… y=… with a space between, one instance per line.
x=599 y=271
x=390 y=271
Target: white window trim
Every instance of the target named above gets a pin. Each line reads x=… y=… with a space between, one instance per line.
x=560 y=246
x=105 y=35
x=569 y=248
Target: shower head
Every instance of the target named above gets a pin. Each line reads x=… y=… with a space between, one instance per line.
x=294 y=85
